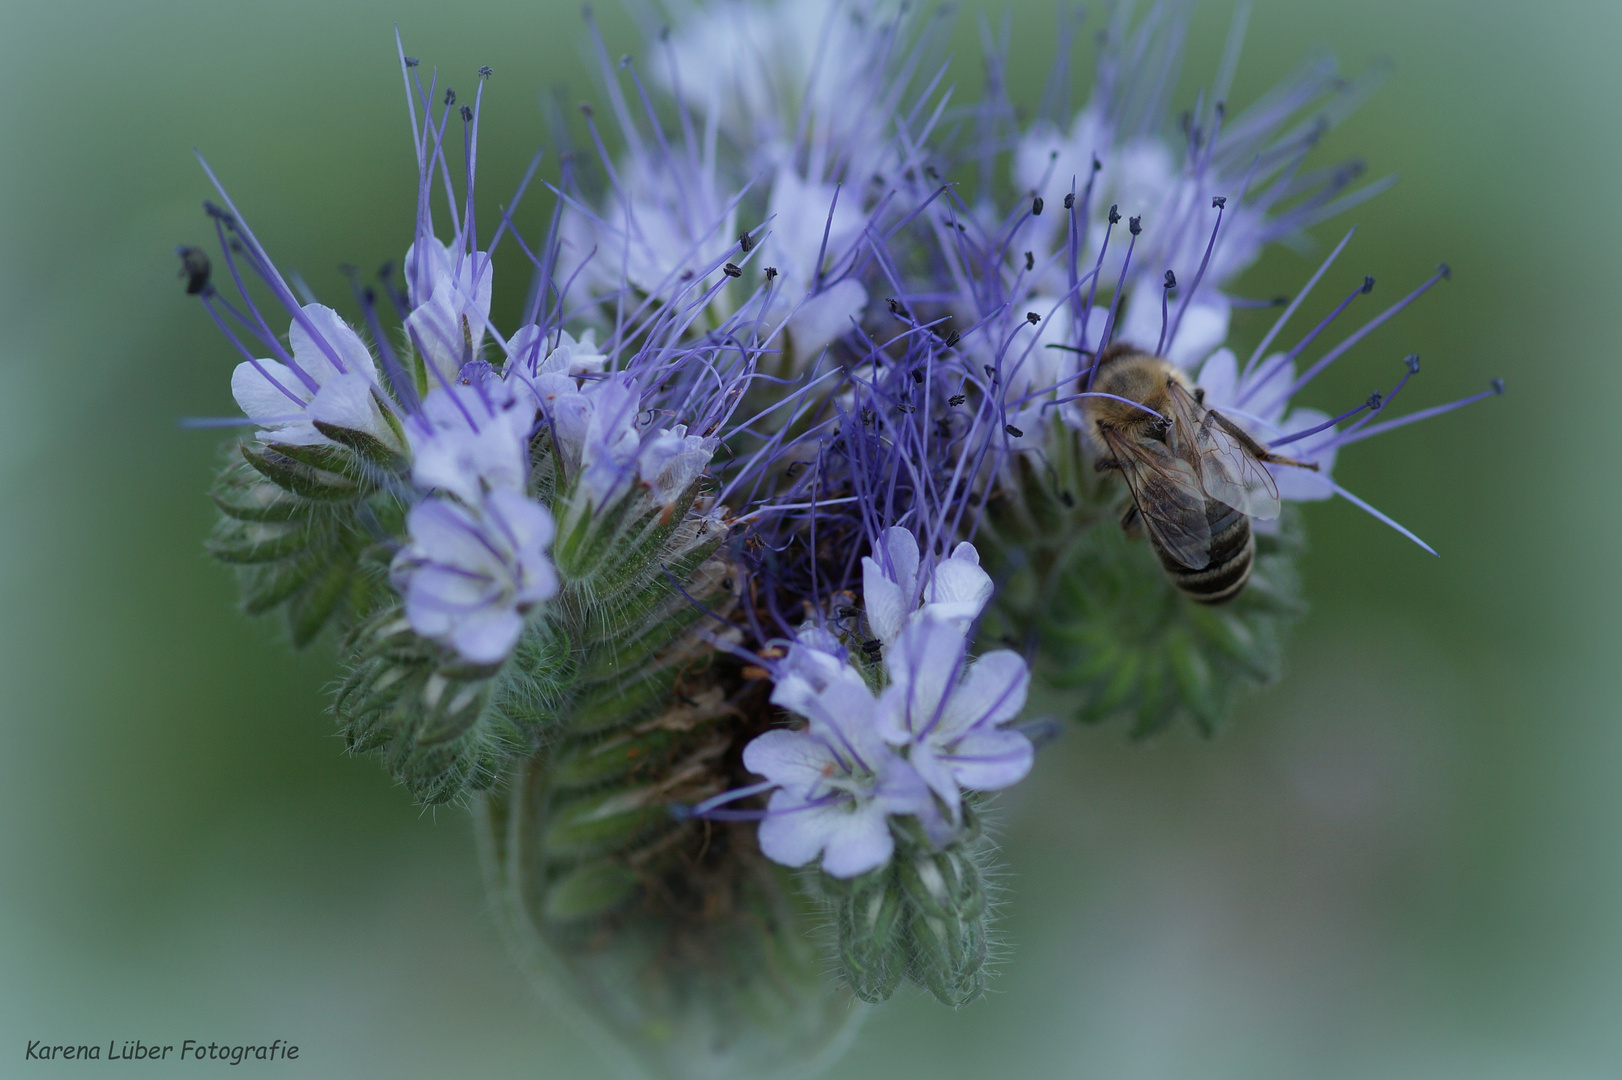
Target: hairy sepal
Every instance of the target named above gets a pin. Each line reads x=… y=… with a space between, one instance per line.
x=309 y=534
x=922 y=917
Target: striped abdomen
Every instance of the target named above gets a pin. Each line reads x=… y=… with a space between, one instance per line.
x=1232 y=551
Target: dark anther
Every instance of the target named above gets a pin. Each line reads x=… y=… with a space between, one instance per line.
x=625 y=61
x=1497 y=386
x=1067 y=498
x=486 y=71
x=1096 y=163
x=1032 y=317
x=686 y=275
x=957 y=399
x=771 y=272
x=732 y=270
x=917 y=375
x=868 y=416
x=1014 y=431
x=450 y=97
x=1218 y=202
x=1187 y=120
x=1135 y=225
x=1221 y=109
x=369 y=295
x=194 y=267
x=664 y=32
x=1368 y=285
x=726 y=583
x=902 y=406
x=1070 y=201
x=586 y=110
x=746 y=242
x=897 y=307
x=1280 y=301
x=467 y=115
x=929 y=171
x=1445 y=270
x=991 y=372
x=1036 y=206
x=872 y=646
x=1171 y=280
x=952 y=339
x=1376 y=399
x=412 y=61
x=1030 y=262
x=1114 y=214
x=943 y=427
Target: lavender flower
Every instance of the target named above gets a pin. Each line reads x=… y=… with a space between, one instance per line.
x=450 y=297
x=330 y=378
x=472 y=437
x=948 y=712
x=469 y=575
x=955 y=590
x=838 y=784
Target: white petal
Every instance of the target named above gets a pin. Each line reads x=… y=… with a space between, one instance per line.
x=338 y=336
x=259 y=398
x=1204 y=326
x=1304 y=485
x=823 y=317
x=993 y=692
x=1219 y=378
x=346 y=401
x=528 y=522
x=937 y=773
x=794 y=760
x=488 y=637
x=858 y=840
x=961 y=583
x=989 y=759
x=886 y=608
x=791 y=835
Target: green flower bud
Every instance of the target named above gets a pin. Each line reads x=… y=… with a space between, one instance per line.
x=1115 y=636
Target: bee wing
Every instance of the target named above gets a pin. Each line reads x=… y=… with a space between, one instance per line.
x=1227 y=459
x=1167 y=491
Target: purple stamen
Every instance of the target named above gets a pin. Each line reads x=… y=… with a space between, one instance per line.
x=1424 y=414
x=1334 y=354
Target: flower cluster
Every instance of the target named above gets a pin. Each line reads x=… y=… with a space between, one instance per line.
x=911 y=749
x=800 y=472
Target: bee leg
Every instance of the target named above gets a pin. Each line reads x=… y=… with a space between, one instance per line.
x=1275 y=459
x=1132 y=522
x=1254 y=448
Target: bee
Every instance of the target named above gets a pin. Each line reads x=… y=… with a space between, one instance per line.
x=1196 y=478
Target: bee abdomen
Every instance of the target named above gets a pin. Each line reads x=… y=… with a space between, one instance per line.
x=1233 y=549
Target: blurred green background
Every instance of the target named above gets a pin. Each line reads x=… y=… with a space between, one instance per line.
x=1402 y=862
